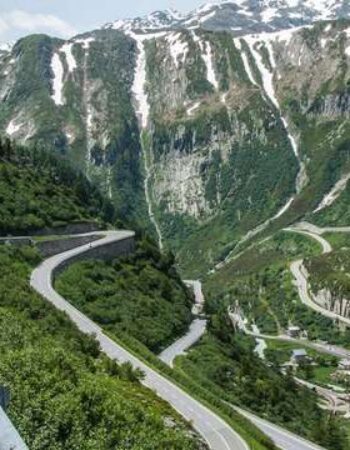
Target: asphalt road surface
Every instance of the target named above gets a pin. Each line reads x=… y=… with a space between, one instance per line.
x=282 y=438
x=217 y=433
x=195 y=332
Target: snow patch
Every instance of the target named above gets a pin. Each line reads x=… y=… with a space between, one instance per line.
x=269 y=14
x=267 y=79
x=67 y=50
x=57 y=84
x=6 y=46
x=207 y=56
x=178 y=48
x=246 y=64
x=12 y=128
x=266 y=74
x=138 y=87
x=85 y=43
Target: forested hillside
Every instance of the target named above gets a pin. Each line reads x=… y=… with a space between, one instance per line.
x=65 y=393
x=39 y=189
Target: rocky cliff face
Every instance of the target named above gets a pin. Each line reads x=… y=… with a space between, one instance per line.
x=204 y=135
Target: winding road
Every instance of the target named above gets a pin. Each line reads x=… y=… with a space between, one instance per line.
x=300 y=273
x=216 y=432
x=195 y=332
x=284 y=439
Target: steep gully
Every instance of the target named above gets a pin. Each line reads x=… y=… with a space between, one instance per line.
x=269 y=94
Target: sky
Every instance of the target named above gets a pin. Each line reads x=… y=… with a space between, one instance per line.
x=64 y=18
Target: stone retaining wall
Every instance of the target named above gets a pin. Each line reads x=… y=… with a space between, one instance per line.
x=54 y=247
x=102 y=252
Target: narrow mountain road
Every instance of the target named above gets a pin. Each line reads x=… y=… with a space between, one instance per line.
x=300 y=273
x=196 y=331
x=284 y=439
x=179 y=347
x=217 y=433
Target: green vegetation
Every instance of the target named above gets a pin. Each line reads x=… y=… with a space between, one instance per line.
x=65 y=393
x=331 y=272
x=224 y=362
x=318 y=371
x=38 y=190
x=261 y=281
x=202 y=392
x=141 y=295
x=338 y=240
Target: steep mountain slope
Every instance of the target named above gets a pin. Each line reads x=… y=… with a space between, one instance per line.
x=40 y=190
x=75 y=98
x=205 y=137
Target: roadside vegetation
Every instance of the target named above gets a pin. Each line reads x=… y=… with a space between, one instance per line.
x=141 y=295
x=65 y=393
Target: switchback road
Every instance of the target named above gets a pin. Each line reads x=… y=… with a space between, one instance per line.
x=217 y=433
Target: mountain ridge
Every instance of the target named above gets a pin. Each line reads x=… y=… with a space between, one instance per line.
x=240 y=16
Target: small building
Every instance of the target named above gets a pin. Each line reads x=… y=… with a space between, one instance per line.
x=300 y=355
x=344 y=364
x=294 y=332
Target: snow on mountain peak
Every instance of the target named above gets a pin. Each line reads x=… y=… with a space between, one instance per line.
x=241 y=16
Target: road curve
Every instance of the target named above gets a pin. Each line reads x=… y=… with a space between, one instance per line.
x=216 y=432
x=179 y=347
x=195 y=332
x=326 y=246
x=300 y=274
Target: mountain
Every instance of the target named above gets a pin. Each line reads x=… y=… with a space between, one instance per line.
x=241 y=16
x=207 y=138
